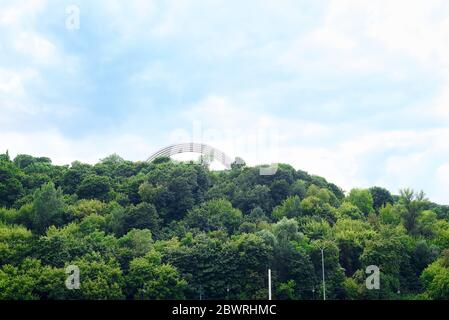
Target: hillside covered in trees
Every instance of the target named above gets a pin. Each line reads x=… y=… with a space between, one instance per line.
x=171 y=230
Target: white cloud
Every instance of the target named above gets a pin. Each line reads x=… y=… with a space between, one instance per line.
x=375 y=36
x=358 y=157
x=13 y=97
x=442 y=183
x=224 y=113
x=261 y=54
x=393 y=159
x=11 y=82
x=35 y=46
x=63 y=150
x=242 y=130
x=15 y=13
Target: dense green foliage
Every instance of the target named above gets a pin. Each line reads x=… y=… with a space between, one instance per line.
x=170 y=230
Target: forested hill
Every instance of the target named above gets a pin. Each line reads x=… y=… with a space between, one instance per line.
x=168 y=230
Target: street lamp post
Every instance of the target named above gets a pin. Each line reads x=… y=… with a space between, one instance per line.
x=269 y=284
x=322 y=267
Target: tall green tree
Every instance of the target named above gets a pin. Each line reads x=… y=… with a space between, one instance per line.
x=48 y=208
x=95 y=187
x=381 y=197
x=11 y=188
x=412 y=204
x=100 y=278
x=362 y=199
x=141 y=216
x=16 y=243
x=32 y=281
x=149 y=278
x=213 y=215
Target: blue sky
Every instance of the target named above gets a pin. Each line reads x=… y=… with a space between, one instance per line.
x=355 y=91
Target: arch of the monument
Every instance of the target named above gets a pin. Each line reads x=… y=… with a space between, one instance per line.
x=201 y=148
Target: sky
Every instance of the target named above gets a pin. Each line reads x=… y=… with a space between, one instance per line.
x=354 y=91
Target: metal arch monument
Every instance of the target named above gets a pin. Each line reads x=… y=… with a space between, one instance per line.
x=191 y=147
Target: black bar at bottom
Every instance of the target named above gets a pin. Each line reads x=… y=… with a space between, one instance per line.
x=217 y=309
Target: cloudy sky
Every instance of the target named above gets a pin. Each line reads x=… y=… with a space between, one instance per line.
x=355 y=91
